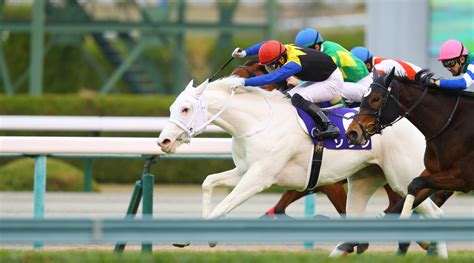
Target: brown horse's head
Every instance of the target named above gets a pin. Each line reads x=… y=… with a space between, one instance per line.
x=380 y=107
x=253 y=68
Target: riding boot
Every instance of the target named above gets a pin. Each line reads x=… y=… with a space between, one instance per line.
x=329 y=130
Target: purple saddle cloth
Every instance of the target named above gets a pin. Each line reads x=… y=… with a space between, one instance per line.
x=340 y=117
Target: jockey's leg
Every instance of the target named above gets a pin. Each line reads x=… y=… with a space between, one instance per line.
x=353 y=91
x=314 y=92
x=330 y=130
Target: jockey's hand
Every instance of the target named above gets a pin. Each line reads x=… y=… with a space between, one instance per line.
x=237 y=82
x=292 y=81
x=437 y=82
x=239 y=53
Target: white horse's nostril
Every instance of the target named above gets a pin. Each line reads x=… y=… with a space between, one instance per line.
x=164 y=142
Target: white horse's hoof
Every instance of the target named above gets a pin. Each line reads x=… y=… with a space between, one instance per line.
x=338 y=253
x=181 y=245
x=212 y=244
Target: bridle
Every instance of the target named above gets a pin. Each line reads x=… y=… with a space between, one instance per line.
x=201 y=108
x=378 y=125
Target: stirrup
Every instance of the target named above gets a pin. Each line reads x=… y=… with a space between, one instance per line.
x=331 y=132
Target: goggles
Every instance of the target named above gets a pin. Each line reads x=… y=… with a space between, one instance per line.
x=274 y=64
x=449 y=63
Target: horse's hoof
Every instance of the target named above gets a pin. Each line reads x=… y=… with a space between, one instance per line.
x=212 y=244
x=401 y=251
x=338 y=253
x=423 y=244
x=362 y=247
x=181 y=245
x=343 y=249
x=437 y=249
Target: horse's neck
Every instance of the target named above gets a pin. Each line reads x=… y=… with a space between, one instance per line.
x=246 y=112
x=431 y=113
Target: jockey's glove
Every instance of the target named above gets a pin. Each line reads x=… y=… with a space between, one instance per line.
x=239 y=53
x=237 y=82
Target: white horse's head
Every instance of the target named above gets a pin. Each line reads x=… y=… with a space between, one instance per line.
x=188 y=117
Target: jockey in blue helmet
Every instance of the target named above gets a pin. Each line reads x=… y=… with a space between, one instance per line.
x=354 y=71
x=365 y=55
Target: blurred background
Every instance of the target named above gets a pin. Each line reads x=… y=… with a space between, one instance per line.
x=130 y=58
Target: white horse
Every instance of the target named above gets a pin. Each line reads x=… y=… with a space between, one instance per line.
x=269 y=147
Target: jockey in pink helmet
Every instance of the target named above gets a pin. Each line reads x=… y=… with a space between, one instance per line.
x=455 y=58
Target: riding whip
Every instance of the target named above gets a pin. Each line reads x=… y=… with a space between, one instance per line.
x=221 y=68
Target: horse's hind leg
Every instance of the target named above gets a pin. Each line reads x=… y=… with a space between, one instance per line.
x=360 y=188
x=288 y=197
x=337 y=195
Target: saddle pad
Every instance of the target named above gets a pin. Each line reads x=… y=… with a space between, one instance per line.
x=340 y=117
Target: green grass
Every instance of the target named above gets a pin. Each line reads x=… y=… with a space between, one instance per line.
x=71 y=256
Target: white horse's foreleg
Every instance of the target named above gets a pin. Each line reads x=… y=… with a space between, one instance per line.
x=227 y=178
x=252 y=182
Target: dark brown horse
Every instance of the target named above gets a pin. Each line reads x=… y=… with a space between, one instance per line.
x=444 y=117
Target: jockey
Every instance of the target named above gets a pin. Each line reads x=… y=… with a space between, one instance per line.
x=455 y=58
x=385 y=65
x=356 y=76
x=323 y=79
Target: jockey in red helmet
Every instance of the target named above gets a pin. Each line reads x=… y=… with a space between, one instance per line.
x=455 y=58
x=323 y=80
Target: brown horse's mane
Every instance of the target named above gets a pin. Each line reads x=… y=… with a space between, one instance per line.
x=424 y=78
x=252 y=61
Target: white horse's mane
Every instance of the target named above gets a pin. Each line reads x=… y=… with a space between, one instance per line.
x=224 y=84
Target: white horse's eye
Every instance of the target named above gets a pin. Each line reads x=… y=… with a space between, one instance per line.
x=185 y=110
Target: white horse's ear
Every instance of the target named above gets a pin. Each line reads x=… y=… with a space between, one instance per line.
x=200 y=89
x=190 y=85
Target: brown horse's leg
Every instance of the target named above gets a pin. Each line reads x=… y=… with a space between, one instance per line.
x=288 y=197
x=440 y=197
x=393 y=198
x=337 y=195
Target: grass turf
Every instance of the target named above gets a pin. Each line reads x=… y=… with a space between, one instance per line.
x=71 y=256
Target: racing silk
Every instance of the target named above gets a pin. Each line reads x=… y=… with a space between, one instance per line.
x=353 y=69
x=467 y=78
x=304 y=63
x=402 y=68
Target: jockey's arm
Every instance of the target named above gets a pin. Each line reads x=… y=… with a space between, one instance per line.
x=459 y=83
x=287 y=70
x=253 y=50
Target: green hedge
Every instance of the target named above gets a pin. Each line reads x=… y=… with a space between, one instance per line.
x=61 y=176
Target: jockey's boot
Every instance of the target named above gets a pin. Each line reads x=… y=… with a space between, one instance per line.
x=330 y=131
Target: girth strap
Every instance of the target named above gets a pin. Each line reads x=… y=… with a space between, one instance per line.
x=316 y=165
